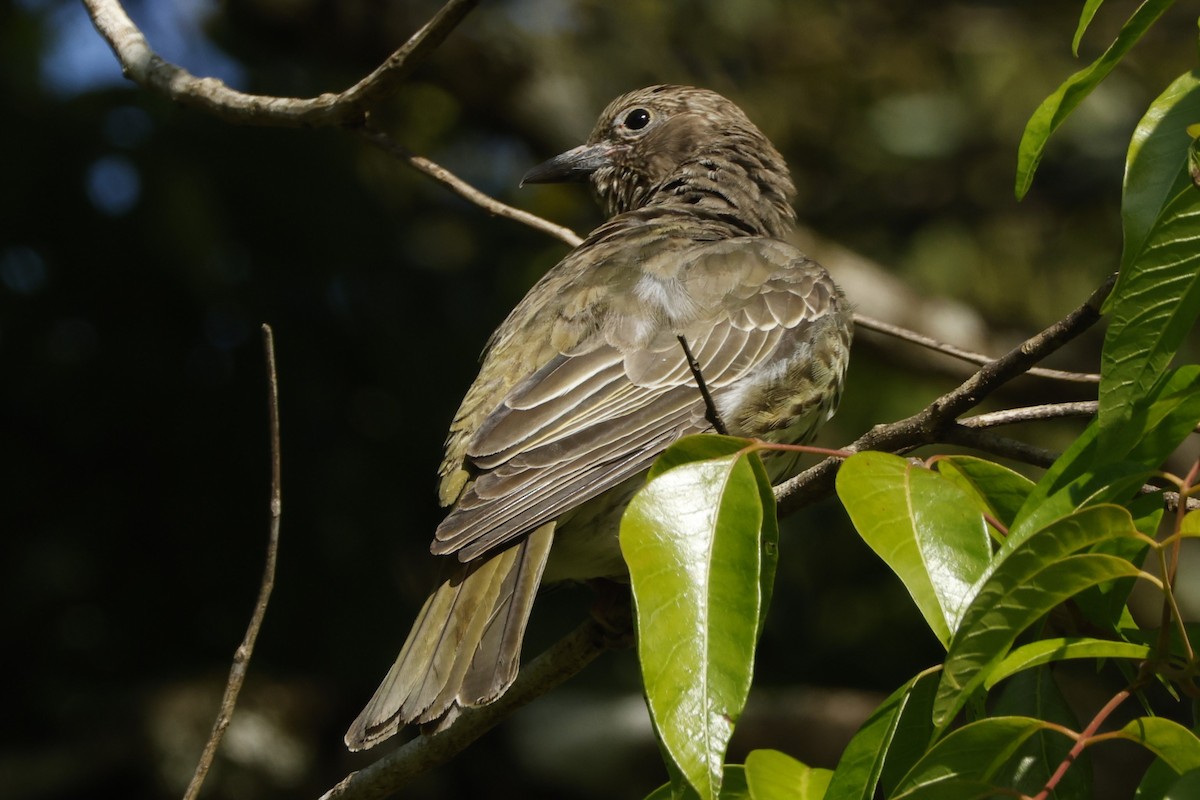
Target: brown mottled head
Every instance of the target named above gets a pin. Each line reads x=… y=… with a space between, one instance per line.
x=678 y=145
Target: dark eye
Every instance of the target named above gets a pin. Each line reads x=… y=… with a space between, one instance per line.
x=637 y=119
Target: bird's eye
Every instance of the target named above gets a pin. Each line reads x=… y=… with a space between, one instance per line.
x=637 y=119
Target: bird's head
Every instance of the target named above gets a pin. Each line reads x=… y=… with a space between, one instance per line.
x=679 y=144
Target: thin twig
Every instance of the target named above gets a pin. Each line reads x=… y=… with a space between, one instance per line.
x=1003 y=446
x=1083 y=740
x=1010 y=416
x=895 y=331
x=462 y=188
x=241 y=658
x=710 y=408
x=565 y=658
x=145 y=67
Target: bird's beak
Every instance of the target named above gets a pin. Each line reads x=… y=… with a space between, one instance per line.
x=573 y=165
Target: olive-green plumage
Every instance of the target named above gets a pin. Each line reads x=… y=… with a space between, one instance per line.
x=585 y=382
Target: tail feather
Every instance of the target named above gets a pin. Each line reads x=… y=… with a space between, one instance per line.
x=465 y=647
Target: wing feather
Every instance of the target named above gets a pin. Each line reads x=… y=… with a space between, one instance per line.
x=600 y=413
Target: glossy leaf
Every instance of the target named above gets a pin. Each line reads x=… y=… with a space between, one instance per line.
x=1034 y=693
x=1027 y=583
x=967 y=759
x=1088 y=473
x=1153 y=164
x=1157 y=297
x=923 y=526
x=706 y=446
x=1058 y=106
x=1178 y=747
x=1085 y=19
x=999 y=490
x=1186 y=788
x=772 y=775
x=1046 y=651
x=733 y=787
x=892 y=739
x=691 y=539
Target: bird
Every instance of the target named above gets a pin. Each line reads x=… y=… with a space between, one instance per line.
x=586 y=382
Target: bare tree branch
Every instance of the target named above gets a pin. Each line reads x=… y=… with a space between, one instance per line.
x=1010 y=416
x=464 y=189
x=879 y=326
x=241 y=658
x=988 y=442
x=936 y=421
x=143 y=66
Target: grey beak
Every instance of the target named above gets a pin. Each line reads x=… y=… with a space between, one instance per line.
x=574 y=165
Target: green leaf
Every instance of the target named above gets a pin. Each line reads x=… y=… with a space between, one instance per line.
x=733 y=787
x=1162 y=782
x=1170 y=741
x=691 y=539
x=1045 y=651
x=1085 y=19
x=1154 y=164
x=690 y=449
x=997 y=489
x=892 y=739
x=772 y=775
x=967 y=759
x=1104 y=605
x=707 y=446
x=1027 y=583
x=1157 y=297
x=1058 y=106
x=1034 y=693
x=923 y=526
x=1088 y=473
x=1186 y=788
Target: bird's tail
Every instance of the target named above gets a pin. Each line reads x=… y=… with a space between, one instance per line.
x=465 y=647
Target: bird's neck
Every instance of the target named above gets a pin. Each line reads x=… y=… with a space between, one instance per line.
x=755 y=197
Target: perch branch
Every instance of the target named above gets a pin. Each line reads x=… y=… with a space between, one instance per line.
x=241 y=658
x=895 y=331
x=145 y=67
x=937 y=420
x=462 y=188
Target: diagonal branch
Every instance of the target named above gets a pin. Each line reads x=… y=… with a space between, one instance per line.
x=463 y=189
x=710 y=407
x=935 y=421
x=897 y=332
x=145 y=67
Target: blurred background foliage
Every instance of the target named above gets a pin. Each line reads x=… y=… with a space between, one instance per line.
x=142 y=244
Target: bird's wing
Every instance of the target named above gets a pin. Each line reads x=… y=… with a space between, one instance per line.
x=585 y=422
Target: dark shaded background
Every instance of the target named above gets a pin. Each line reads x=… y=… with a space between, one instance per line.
x=142 y=244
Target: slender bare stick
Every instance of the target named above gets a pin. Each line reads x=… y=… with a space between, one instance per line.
x=710 y=408
x=888 y=329
x=1010 y=416
x=241 y=658
x=464 y=189
x=143 y=66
